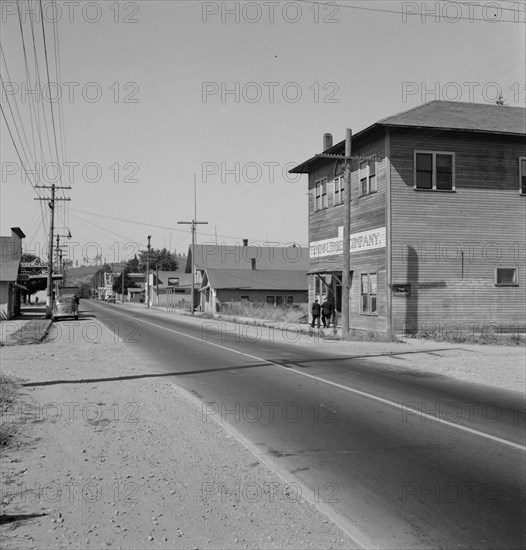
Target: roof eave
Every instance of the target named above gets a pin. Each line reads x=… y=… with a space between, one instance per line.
x=303 y=168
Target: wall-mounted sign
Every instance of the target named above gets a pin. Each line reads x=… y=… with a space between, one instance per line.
x=402 y=290
x=365 y=240
x=173 y=281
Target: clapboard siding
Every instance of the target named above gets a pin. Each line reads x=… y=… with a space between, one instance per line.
x=367 y=212
x=447 y=245
x=372 y=261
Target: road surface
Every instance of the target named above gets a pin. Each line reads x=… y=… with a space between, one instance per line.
x=409 y=460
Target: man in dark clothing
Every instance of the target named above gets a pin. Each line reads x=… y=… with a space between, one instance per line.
x=326 y=313
x=316 y=312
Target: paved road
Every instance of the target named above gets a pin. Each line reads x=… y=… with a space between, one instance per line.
x=412 y=461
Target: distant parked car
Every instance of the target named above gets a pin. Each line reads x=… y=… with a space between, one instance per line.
x=65 y=306
x=110 y=299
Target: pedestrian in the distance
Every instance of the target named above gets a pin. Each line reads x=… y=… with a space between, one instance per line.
x=316 y=312
x=326 y=313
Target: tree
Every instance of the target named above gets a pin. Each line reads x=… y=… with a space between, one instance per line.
x=128 y=283
x=133 y=265
x=32 y=285
x=27 y=257
x=166 y=260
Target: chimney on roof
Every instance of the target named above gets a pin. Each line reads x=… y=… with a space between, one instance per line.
x=327 y=141
x=253 y=260
x=245 y=242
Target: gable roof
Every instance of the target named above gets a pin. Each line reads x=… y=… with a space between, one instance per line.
x=443 y=115
x=266 y=279
x=221 y=256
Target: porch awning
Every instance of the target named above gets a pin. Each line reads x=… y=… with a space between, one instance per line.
x=325 y=271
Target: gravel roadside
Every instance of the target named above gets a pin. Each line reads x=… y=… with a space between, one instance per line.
x=126 y=462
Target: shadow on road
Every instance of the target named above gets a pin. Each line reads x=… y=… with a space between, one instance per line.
x=139 y=376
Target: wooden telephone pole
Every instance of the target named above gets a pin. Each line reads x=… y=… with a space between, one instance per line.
x=193 y=223
x=346 y=258
x=51 y=203
x=147 y=294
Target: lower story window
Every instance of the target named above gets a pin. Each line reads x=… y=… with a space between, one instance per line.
x=368 y=293
x=280 y=300
x=506 y=276
x=522 y=175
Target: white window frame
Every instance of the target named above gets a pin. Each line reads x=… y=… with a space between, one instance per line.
x=364 y=173
x=338 y=190
x=320 y=198
x=522 y=174
x=515 y=278
x=434 y=170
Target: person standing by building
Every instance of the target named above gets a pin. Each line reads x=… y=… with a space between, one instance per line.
x=326 y=313
x=316 y=312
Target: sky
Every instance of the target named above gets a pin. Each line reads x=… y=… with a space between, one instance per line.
x=134 y=101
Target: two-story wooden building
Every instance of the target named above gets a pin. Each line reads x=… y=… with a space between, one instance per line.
x=438 y=230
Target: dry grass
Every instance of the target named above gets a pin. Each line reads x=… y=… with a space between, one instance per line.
x=8 y=396
x=287 y=314
x=490 y=337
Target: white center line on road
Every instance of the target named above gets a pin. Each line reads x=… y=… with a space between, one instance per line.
x=336 y=385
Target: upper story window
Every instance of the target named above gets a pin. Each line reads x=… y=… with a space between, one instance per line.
x=339 y=188
x=367 y=177
x=321 y=194
x=434 y=171
x=522 y=175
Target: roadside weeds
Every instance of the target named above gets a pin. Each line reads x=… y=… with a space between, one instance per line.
x=9 y=393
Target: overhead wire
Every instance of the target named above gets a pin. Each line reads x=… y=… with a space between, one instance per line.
x=49 y=85
x=34 y=110
x=418 y=13
x=135 y=222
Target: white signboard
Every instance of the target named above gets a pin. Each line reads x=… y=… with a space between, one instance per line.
x=365 y=240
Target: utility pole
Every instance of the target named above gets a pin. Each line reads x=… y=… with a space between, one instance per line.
x=157 y=283
x=193 y=223
x=147 y=294
x=346 y=257
x=51 y=204
x=122 y=277
x=346 y=260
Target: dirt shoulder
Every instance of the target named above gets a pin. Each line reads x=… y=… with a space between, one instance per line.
x=125 y=460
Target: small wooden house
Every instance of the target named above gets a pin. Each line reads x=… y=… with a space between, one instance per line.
x=229 y=275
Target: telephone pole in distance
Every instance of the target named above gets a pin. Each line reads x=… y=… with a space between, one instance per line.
x=193 y=223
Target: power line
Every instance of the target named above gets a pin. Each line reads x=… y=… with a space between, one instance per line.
x=134 y=222
x=421 y=14
x=49 y=84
